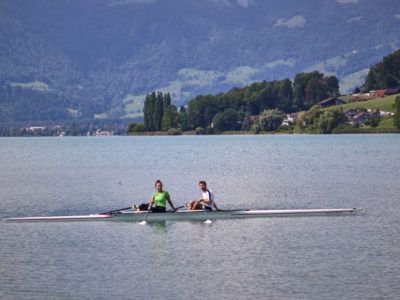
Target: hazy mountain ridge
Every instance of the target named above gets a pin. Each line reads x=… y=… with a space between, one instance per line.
x=94 y=54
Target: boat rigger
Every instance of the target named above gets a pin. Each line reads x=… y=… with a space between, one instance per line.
x=137 y=216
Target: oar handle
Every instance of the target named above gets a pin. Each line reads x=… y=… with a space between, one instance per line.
x=118 y=210
x=176 y=208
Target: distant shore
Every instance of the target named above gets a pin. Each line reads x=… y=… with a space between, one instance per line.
x=337 y=131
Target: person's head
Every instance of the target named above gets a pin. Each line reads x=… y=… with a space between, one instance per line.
x=158 y=185
x=203 y=185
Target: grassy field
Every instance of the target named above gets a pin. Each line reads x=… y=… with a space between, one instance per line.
x=35 y=85
x=383 y=104
x=386 y=122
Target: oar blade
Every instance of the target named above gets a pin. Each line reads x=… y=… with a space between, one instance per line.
x=145 y=217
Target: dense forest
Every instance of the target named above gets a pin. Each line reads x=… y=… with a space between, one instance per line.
x=385 y=74
x=31 y=105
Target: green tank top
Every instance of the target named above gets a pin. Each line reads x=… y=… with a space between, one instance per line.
x=160 y=199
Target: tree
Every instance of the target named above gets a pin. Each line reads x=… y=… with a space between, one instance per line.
x=385 y=74
x=201 y=110
x=270 y=119
x=174 y=131
x=170 y=118
x=330 y=119
x=310 y=88
x=307 y=89
x=148 y=109
x=182 y=120
x=246 y=122
x=301 y=121
x=227 y=120
x=167 y=100
x=299 y=89
x=256 y=127
x=332 y=85
x=316 y=91
x=312 y=115
x=396 y=117
x=158 y=111
x=134 y=127
x=286 y=95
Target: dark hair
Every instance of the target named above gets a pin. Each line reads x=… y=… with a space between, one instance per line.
x=203 y=182
x=158 y=181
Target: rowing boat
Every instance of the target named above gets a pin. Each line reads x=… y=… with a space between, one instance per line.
x=137 y=216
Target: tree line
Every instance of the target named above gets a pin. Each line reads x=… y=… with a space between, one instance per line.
x=269 y=101
x=384 y=74
x=233 y=110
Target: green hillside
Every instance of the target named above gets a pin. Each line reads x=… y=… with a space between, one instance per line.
x=383 y=104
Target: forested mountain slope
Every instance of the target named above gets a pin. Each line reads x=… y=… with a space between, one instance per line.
x=96 y=57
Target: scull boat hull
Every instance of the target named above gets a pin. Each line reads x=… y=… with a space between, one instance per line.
x=192 y=215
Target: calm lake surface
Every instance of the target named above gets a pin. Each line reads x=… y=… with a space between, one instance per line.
x=334 y=257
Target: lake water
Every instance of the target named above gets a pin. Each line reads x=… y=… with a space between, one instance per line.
x=335 y=257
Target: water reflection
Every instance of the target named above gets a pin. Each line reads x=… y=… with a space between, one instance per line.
x=159 y=227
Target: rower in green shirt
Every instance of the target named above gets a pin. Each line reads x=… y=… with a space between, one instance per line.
x=160 y=198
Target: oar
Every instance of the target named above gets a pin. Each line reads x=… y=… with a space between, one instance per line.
x=118 y=210
x=208 y=221
x=186 y=205
x=145 y=217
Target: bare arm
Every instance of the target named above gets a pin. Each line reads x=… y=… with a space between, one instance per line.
x=151 y=201
x=170 y=202
x=215 y=205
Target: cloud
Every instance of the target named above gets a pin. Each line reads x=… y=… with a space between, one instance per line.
x=347 y=1
x=397 y=16
x=245 y=3
x=222 y=2
x=355 y=19
x=297 y=21
x=129 y=2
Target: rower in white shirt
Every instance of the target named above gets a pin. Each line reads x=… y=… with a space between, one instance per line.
x=206 y=201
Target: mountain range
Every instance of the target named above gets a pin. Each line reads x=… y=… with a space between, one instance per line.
x=67 y=59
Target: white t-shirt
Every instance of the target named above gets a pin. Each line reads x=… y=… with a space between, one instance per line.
x=206 y=195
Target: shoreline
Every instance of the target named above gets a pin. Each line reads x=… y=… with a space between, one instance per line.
x=338 y=131
x=194 y=133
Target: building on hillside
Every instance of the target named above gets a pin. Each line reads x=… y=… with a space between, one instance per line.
x=389 y=92
x=254 y=118
x=361 y=95
x=377 y=93
x=351 y=112
x=331 y=102
x=359 y=118
x=384 y=93
x=34 y=128
x=385 y=113
x=290 y=119
x=372 y=114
